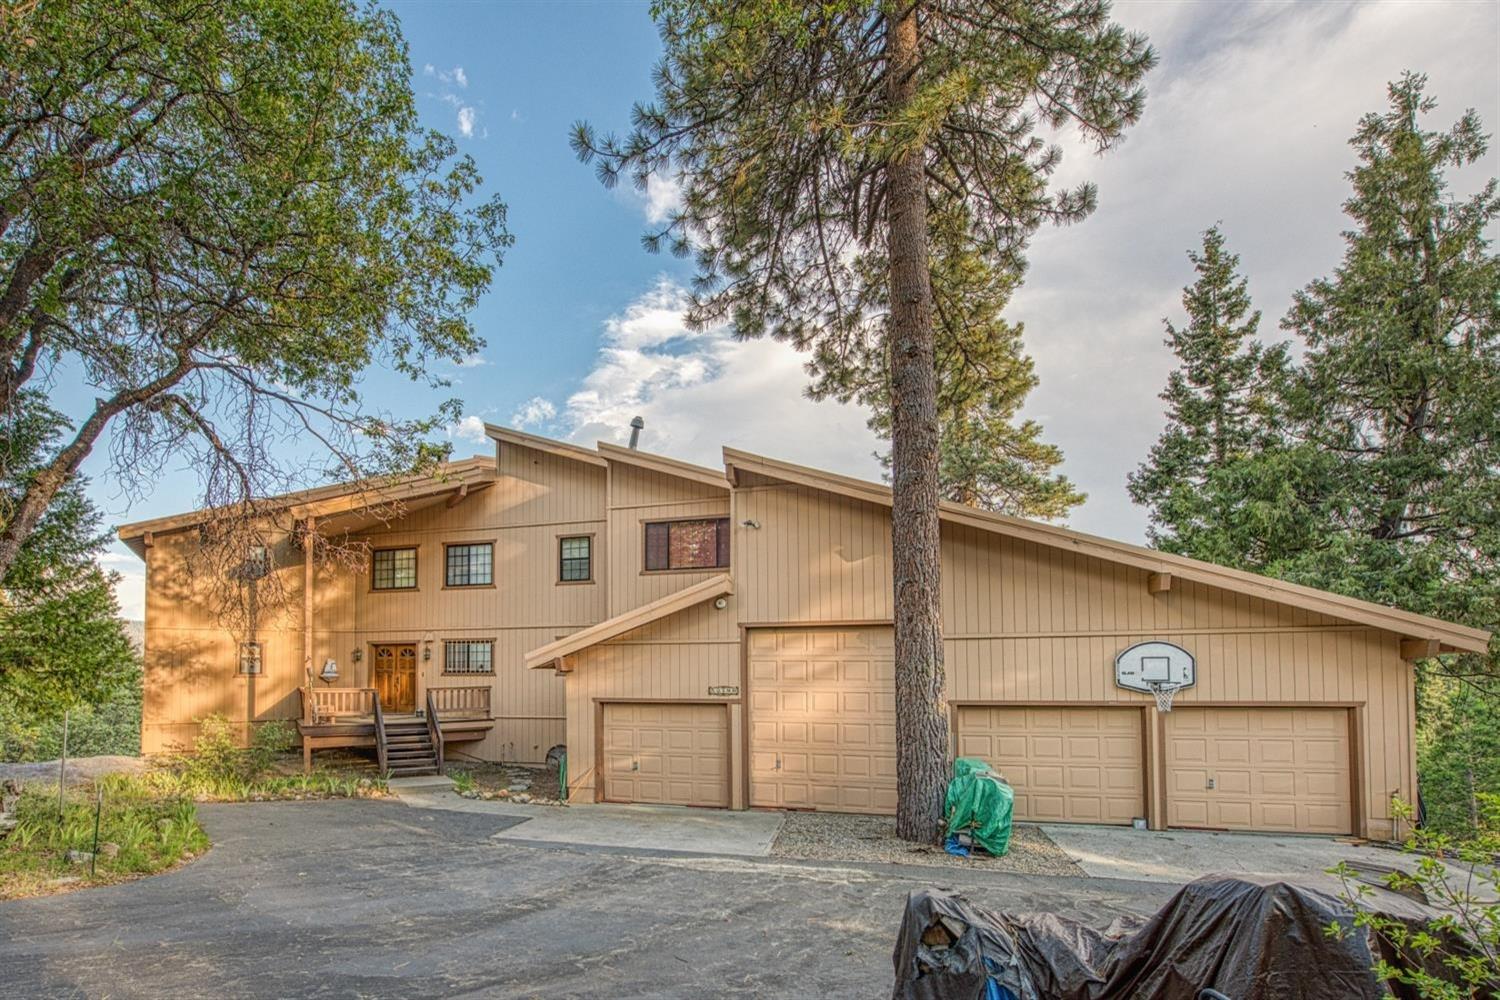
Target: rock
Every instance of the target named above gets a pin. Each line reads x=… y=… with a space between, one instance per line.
x=521 y=786
x=79 y=857
x=109 y=849
x=523 y=797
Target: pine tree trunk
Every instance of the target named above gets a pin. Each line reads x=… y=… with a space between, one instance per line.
x=921 y=702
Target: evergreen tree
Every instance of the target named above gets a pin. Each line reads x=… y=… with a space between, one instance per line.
x=986 y=458
x=62 y=642
x=1399 y=391
x=817 y=144
x=1219 y=409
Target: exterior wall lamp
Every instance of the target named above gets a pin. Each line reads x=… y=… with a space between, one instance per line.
x=356 y=654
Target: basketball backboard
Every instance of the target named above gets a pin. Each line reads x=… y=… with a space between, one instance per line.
x=1155 y=662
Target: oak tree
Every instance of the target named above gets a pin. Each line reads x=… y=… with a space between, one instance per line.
x=218 y=218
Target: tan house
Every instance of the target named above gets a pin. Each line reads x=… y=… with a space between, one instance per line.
x=722 y=637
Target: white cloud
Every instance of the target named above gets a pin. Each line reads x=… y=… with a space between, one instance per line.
x=130 y=580
x=700 y=390
x=466 y=121
x=475 y=360
x=663 y=196
x=459 y=77
x=535 y=412
x=470 y=429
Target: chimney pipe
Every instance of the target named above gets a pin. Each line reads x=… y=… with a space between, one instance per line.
x=636 y=423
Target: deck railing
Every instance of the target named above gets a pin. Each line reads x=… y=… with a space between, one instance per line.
x=322 y=705
x=434 y=731
x=459 y=702
x=381 y=750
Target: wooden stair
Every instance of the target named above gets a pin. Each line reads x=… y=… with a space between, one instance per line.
x=408 y=749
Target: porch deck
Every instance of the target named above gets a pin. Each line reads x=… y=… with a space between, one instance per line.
x=351 y=717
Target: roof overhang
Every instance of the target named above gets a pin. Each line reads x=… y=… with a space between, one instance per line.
x=562 y=449
x=555 y=654
x=1448 y=636
x=340 y=506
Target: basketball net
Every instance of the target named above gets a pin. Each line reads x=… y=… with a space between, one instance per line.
x=1163 y=691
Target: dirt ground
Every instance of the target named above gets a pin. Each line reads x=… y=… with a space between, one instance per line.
x=849 y=837
x=490 y=779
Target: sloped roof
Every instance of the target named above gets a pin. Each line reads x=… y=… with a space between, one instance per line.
x=465 y=474
x=660 y=463
x=705 y=590
x=1451 y=636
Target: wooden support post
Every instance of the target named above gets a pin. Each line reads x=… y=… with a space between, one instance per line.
x=1159 y=583
x=309 y=545
x=458 y=495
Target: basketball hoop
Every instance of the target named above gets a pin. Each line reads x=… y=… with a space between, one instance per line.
x=1163 y=692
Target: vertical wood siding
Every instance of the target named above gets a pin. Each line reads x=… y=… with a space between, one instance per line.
x=1027 y=623
x=675 y=659
x=638 y=495
x=191 y=661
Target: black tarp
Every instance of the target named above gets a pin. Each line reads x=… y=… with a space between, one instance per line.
x=1248 y=938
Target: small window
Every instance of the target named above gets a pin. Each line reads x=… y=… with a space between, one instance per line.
x=575 y=560
x=468 y=656
x=696 y=544
x=470 y=565
x=394 y=569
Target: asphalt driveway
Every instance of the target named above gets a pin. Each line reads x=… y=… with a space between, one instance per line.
x=362 y=898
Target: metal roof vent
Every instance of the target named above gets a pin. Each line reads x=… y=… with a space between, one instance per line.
x=636 y=423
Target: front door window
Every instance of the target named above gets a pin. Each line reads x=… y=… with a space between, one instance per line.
x=394 y=676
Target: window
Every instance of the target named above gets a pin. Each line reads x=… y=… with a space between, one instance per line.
x=697 y=544
x=470 y=565
x=468 y=656
x=575 y=559
x=394 y=569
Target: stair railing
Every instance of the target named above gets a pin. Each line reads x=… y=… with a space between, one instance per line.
x=380 y=747
x=434 y=731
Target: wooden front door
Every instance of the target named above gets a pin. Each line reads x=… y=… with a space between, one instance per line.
x=394 y=677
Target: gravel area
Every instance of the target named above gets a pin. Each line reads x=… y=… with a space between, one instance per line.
x=536 y=784
x=826 y=836
x=80 y=769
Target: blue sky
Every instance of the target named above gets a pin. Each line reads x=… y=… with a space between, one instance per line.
x=1246 y=124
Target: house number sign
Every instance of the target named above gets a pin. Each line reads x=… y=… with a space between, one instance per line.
x=724 y=691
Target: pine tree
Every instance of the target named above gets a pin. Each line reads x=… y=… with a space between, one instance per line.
x=986 y=457
x=62 y=643
x=1219 y=408
x=817 y=144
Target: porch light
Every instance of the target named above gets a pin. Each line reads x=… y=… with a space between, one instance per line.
x=356 y=654
x=427 y=651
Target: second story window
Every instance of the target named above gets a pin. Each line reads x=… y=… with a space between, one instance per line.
x=470 y=565
x=701 y=543
x=575 y=559
x=393 y=569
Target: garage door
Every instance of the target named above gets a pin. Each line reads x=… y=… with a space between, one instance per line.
x=1067 y=765
x=1282 y=769
x=667 y=753
x=823 y=719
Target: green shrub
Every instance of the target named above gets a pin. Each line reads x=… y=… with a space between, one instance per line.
x=1455 y=955
x=111 y=727
x=152 y=831
x=463 y=781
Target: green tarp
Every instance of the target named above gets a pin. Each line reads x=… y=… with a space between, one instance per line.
x=979 y=803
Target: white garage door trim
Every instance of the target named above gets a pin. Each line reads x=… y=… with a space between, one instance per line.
x=1316 y=794
x=1062 y=773
x=661 y=776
